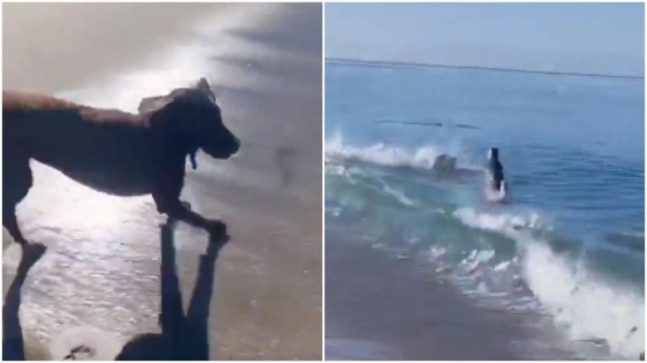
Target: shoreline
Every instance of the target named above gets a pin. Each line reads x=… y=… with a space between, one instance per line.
x=391 y=303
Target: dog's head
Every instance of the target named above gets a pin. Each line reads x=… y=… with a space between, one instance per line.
x=191 y=117
x=493 y=153
x=444 y=163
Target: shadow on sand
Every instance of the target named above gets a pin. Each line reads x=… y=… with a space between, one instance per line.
x=13 y=347
x=183 y=337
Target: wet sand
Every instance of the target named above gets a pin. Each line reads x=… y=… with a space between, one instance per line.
x=381 y=307
x=102 y=265
x=48 y=47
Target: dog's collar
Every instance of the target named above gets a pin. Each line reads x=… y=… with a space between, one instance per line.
x=192 y=153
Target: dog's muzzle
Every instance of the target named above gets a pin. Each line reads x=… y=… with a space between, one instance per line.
x=224 y=152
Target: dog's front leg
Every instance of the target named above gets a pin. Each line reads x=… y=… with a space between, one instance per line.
x=167 y=199
x=166 y=194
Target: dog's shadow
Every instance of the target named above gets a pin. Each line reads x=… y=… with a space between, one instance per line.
x=183 y=337
x=13 y=345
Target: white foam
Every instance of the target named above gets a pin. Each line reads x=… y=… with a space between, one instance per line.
x=507 y=223
x=495 y=196
x=382 y=154
x=399 y=195
x=587 y=305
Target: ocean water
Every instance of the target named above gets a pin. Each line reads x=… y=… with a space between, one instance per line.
x=569 y=245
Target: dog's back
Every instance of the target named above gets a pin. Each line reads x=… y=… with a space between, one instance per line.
x=29 y=117
x=22 y=101
x=103 y=148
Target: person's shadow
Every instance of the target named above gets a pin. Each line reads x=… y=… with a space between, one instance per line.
x=183 y=337
x=13 y=347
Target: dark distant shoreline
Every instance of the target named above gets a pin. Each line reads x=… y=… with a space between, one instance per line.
x=396 y=64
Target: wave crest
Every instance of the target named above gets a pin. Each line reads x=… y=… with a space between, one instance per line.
x=589 y=306
x=381 y=154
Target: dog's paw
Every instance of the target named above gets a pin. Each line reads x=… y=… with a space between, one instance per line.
x=217 y=230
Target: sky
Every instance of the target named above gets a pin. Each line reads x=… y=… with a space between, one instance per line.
x=606 y=38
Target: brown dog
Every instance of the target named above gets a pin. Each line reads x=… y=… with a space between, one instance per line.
x=113 y=151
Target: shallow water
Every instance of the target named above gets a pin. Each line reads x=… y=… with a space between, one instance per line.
x=569 y=246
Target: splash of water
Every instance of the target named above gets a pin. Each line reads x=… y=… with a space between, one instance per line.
x=586 y=304
x=381 y=154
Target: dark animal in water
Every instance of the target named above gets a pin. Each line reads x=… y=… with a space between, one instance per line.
x=495 y=169
x=113 y=151
x=444 y=163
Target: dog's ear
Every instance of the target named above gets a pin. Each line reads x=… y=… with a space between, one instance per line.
x=152 y=104
x=204 y=87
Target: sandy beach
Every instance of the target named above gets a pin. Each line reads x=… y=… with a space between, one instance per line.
x=101 y=269
x=49 y=47
x=380 y=307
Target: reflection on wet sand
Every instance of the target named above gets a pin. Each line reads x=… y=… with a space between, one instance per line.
x=12 y=339
x=182 y=337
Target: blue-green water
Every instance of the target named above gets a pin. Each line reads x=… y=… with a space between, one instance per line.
x=569 y=244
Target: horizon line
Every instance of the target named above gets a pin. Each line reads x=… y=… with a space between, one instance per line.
x=387 y=63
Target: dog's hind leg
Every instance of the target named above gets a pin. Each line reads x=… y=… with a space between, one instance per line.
x=17 y=179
